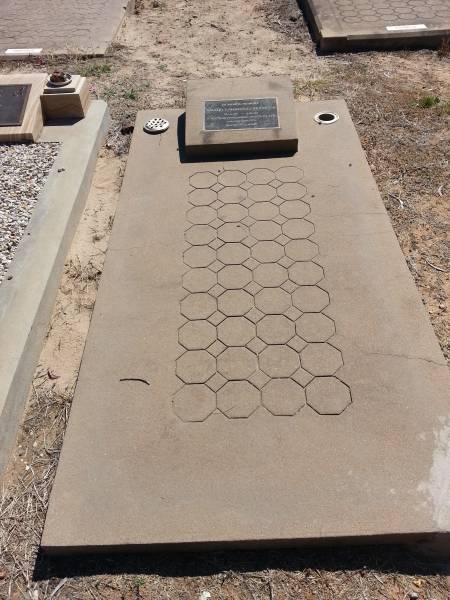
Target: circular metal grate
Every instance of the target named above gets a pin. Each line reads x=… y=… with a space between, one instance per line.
x=156 y=125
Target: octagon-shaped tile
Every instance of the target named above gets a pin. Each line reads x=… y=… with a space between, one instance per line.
x=328 y=395
x=283 y=397
x=315 y=327
x=321 y=359
x=279 y=361
x=234 y=277
x=260 y=176
x=203 y=180
x=236 y=363
x=289 y=174
x=263 y=211
x=272 y=301
x=199 y=280
x=236 y=331
x=267 y=252
x=261 y=193
x=232 y=213
x=265 y=230
x=232 y=195
x=194 y=403
x=233 y=253
x=270 y=275
x=238 y=399
x=306 y=273
x=235 y=303
x=310 y=298
x=195 y=366
x=291 y=191
x=297 y=228
x=199 y=256
x=275 y=329
x=231 y=178
x=198 y=235
x=198 y=306
x=201 y=215
x=232 y=232
x=301 y=250
x=202 y=197
x=197 y=335
x=294 y=209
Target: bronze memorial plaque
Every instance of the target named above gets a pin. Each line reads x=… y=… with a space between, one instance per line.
x=13 y=102
x=246 y=113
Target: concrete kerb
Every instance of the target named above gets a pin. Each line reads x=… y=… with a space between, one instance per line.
x=28 y=293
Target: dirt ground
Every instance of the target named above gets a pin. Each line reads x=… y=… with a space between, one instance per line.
x=400 y=103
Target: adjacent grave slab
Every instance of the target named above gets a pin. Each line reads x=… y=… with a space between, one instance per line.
x=259 y=369
x=244 y=115
x=28 y=293
x=20 y=106
x=30 y=28
x=384 y=24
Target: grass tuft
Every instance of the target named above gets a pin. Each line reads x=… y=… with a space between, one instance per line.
x=428 y=101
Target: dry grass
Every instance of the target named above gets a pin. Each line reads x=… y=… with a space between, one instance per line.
x=405 y=139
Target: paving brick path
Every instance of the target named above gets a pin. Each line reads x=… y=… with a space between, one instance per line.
x=60 y=26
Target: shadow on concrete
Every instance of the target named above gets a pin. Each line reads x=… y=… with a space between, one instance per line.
x=385 y=559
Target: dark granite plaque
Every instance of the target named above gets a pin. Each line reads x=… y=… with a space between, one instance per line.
x=13 y=102
x=248 y=113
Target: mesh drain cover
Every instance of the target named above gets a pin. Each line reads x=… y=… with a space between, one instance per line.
x=156 y=125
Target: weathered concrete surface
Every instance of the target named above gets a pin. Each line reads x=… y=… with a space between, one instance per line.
x=259 y=369
x=385 y=24
x=26 y=300
x=64 y=27
x=203 y=143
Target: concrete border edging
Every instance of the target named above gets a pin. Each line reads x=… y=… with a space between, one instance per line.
x=28 y=293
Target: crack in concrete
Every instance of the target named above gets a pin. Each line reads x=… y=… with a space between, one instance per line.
x=407 y=357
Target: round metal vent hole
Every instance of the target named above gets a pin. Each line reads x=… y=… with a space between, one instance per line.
x=156 y=125
x=326 y=118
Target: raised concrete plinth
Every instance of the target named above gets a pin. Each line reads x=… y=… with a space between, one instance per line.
x=240 y=116
x=32 y=122
x=384 y=24
x=259 y=369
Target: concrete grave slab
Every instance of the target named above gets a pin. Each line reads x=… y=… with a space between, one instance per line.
x=241 y=115
x=28 y=293
x=30 y=28
x=259 y=369
x=384 y=24
x=28 y=125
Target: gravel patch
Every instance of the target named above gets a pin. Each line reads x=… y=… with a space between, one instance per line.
x=23 y=171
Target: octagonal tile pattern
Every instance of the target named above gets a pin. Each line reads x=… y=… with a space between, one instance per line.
x=379 y=12
x=254 y=334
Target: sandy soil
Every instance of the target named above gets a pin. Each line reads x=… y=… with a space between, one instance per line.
x=406 y=144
